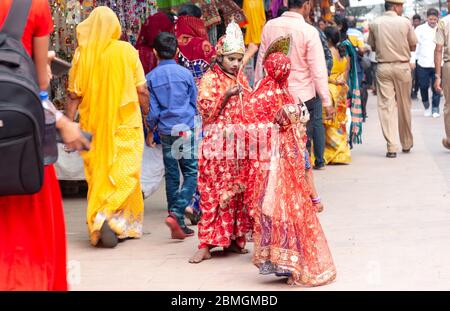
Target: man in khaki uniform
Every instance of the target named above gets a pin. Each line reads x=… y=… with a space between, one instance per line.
x=393 y=39
x=442 y=43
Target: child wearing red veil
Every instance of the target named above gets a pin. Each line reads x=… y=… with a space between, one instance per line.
x=288 y=238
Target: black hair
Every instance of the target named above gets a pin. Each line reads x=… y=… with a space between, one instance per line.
x=282 y=10
x=432 y=12
x=166 y=45
x=297 y=3
x=342 y=21
x=388 y=6
x=171 y=16
x=351 y=22
x=334 y=36
x=417 y=16
x=190 y=10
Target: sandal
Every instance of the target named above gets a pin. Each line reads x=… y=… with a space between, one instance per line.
x=107 y=236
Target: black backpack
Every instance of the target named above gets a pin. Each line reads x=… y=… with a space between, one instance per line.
x=22 y=119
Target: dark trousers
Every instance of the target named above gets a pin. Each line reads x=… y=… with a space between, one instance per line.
x=415 y=81
x=426 y=77
x=315 y=130
x=179 y=154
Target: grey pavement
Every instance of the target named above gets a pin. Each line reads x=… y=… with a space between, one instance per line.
x=387 y=222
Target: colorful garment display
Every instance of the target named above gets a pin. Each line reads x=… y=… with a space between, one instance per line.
x=105 y=75
x=230 y=10
x=337 y=149
x=67 y=14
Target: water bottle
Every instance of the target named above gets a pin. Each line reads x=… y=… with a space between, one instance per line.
x=49 y=142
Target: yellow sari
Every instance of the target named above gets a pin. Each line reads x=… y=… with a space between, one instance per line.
x=256 y=17
x=337 y=149
x=105 y=74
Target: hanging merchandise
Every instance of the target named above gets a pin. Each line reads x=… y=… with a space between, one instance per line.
x=230 y=10
x=67 y=14
x=210 y=13
x=131 y=14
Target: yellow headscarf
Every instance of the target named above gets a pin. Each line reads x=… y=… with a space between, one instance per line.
x=103 y=73
x=94 y=35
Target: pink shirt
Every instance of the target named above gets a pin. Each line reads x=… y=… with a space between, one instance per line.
x=309 y=72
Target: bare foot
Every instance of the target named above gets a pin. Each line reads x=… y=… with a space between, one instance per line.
x=290 y=281
x=200 y=255
x=234 y=248
x=319 y=207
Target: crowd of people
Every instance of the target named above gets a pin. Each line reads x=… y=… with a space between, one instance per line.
x=238 y=159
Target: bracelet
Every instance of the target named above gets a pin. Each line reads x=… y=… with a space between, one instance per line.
x=316 y=200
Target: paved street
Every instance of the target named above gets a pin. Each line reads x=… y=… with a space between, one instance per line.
x=387 y=222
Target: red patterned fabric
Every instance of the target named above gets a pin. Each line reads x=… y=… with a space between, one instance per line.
x=33 y=239
x=224 y=215
x=266 y=100
x=287 y=234
x=193 y=39
x=154 y=24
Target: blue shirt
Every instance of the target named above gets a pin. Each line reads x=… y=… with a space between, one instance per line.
x=173 y=98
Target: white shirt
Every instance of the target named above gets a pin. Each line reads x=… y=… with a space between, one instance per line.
x=425 y=45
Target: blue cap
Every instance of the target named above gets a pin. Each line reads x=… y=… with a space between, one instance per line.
x=43 y=95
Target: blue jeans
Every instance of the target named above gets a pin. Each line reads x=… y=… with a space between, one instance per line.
x=426 y=77
x=315 y=130
x=179 y=153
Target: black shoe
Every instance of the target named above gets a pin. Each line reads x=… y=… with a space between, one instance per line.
x=188 y=231
x=107 y=236
x=319 y=167
x=413 y=96
x=406 y=150
x=391 y=154
x=194 y=217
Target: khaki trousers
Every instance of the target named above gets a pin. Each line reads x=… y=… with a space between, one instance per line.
x=394 y=103
x=446 y=89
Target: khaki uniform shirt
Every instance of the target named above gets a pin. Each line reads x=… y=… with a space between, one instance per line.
x=392 y=37
x=442 y=36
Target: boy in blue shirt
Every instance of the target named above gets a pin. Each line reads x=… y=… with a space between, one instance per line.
x=173 y=97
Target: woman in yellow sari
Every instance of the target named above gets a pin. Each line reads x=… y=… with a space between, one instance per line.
x=337 y=149
x=107 y=84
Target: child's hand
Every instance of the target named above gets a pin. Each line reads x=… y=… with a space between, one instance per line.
x=235 y=90
x=318 y=207
x=149 y=140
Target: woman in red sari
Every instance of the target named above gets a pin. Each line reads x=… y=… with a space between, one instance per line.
x=289 y=240
x=196 y=52
x=222 y=96
x=159 y=22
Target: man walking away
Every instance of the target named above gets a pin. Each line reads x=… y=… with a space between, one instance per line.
x=393 y=39
x=424 y=55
